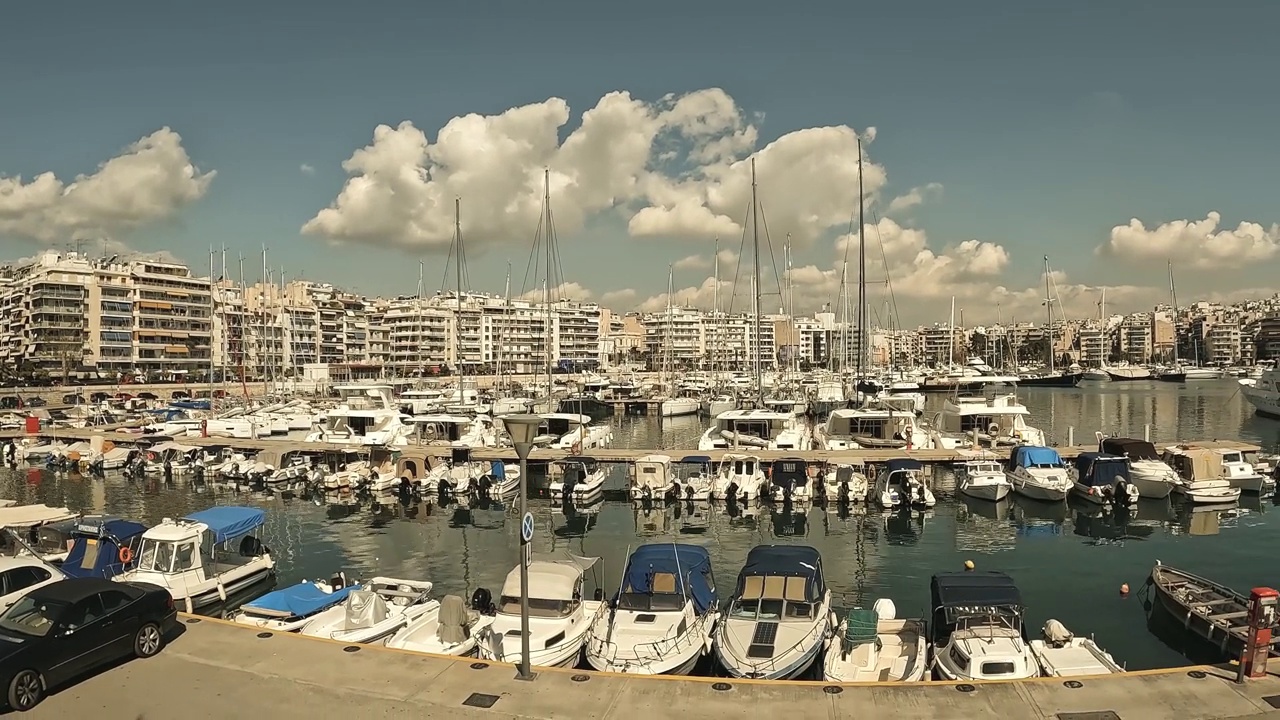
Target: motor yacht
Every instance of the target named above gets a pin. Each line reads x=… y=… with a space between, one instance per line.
x=779 y=618
x=1153 y=477
x=581 y=479
x=901 y=484
x=1263 y=393
x=845 y=483
x=740 y=477
x=764 y=429
x=651 y=478
x=998 y=421
x=572 y=432
x=789 y=480
x=978 y=630
x=1038 y=473
x=662 y=618
x=559 y=618
x=475 y=431
x=191 y=558
x=365 y=415
x=982 y=478
x=875 y=646
x=875 y=427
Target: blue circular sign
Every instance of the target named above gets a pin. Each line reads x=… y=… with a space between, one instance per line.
x=526 y=528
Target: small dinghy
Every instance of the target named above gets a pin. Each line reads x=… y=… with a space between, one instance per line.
x=1062 y=654
x=373 y=611
x=1214 y=612
x=874 y=646
x=448 y=629
x=288 y=609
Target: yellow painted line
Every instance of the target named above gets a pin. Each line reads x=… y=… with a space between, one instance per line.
x=1154 y=672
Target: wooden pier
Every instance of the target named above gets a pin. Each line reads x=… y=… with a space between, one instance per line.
x=604 y=455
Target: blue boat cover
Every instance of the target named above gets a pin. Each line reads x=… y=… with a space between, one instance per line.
x=903 y=464
x=108 y=535
x=1036 y=456
x=229 y=521
x=190 y=404
x=301 y=600
x=498 y=470
x=787 y=561
x=1099 y=469
x=690 y=564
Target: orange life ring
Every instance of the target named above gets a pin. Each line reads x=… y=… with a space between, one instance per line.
x=126 y=554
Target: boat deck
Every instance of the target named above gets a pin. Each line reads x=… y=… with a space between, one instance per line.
x=219 y=670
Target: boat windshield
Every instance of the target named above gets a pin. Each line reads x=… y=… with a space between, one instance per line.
x=764 y=609
x=33 y=616
x=539 y=607
x=650 y=602
x=165 y=556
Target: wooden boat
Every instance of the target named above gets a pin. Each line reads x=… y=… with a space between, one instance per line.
x=1214 y=612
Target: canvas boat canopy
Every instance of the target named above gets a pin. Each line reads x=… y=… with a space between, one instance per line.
x=668 y=569
x=95 y=548
x=1030 y=456
x=228 y=521
x=299 y=601
x=696 y=460
x=1130 y=447
x=26 y=516
x=782 y=572
x=1099 y=470
x=550 y=579
x=900 y=464
x=972 y=594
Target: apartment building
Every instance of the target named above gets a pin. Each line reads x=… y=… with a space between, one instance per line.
x=1134 y=339
x=1095 y=349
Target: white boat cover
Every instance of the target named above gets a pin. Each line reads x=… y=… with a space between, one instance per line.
x=553 y=579
x=25 y=516
x=161 y=447
x=454 y=619
x=365 y=609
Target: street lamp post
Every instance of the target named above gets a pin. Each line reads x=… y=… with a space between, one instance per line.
x=523 y=429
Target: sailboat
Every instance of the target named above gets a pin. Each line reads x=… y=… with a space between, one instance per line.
x=672 y=406
x=1179 y=373
x=1069 y=377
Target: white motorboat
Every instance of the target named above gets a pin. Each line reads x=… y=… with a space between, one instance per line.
x=651 y=478
x=765 y=429
x=679 y=406
x=572 y=432
x=694 y=478
x=1242 y=474
x=559 y=619
x=373 y=611
x=978 y=628
x=1062 y=654
x=662 y=619
x=449 y=628
x=1199 y=473
x=365 y=415
x=779 y=619
x=1153 y=477
x=983 y=479
x=581 y=478
x=875 y=646
x=25 y=521
x=900 y=484
x=1263 y=393
x=1095 y=375
x=190 y=559
x=1039 y=473
x=871 y=427
x=999 y=421
x=740 y=477
x=471 y=431
x=288 y=609
x=789 y=480
x=846 y=483
x=1103 y=479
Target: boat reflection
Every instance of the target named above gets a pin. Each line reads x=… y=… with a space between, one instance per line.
x=1104 y=525
x=984 y=526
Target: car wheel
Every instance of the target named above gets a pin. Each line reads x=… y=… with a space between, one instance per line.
x=26 y=690
x=148 y=641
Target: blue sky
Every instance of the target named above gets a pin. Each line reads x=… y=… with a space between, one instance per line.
x=1045 y=126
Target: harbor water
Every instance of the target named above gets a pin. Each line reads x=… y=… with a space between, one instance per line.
x=1070 y=561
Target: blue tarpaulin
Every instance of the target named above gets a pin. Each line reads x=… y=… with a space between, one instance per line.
x=1036 y=456
x=105 y=537
x=1100 y=470
x=498 y=470
x=229 y=521
x=301 y=600
x=689 y=564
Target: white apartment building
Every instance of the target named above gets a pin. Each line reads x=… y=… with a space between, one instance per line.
x=1095 y=350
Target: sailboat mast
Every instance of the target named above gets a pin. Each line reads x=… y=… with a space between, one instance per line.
x=666 y=350
x=715 y=312
x=546 y=287
x=755 y=287
x=1048 y=305
x=1173 y=298
x=457 y=272
x=506 y=307
x=213 y=314
x=862 y=271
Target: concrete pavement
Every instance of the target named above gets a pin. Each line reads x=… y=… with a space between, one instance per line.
x=218 y=670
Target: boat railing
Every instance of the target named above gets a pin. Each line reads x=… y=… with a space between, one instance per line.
x=655 y=651
x=765 y=666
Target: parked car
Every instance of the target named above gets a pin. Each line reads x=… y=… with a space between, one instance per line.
x=72 y=399
x=61 y=630
x=22 y=573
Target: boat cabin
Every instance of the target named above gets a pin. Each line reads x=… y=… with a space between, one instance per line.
x=652 y=472
x=978 y=626
x=779 y=583
x=555 y=591
x=1099 y=470
x=789 y=475
x=103 y=547
x=439 y=427
x=662 y=577
x=197 y=548
x=1194 y=464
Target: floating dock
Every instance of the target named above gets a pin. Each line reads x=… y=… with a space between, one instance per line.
x=604 y=455
x=218 y=670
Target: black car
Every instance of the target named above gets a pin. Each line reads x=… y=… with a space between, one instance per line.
x=61 y=630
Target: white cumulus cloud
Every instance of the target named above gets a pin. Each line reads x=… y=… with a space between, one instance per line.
x=1194 y=243
x=149 y=180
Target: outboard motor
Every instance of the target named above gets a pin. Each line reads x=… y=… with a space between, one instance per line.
x=444 y=490
x=570 y=482
x=482 y=602
x=688 y=491
x=731 y=493
x=337 y=582
x=406 y=487
x=484 y=484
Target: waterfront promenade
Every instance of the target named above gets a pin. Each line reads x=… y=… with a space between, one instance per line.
x=219 y=670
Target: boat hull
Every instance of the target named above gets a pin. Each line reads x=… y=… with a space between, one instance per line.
x=1153 y=489
x=1063 y=380
x=991 y=492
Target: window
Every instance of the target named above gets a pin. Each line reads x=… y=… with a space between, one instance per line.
x=539 y=607
x=90 y=559
x=156 y=556
x=113 y=600
x=997 y=668
x=21 y=578
x=83 y=613
x=32 y=616
x=186 y=557
x=958 y=658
